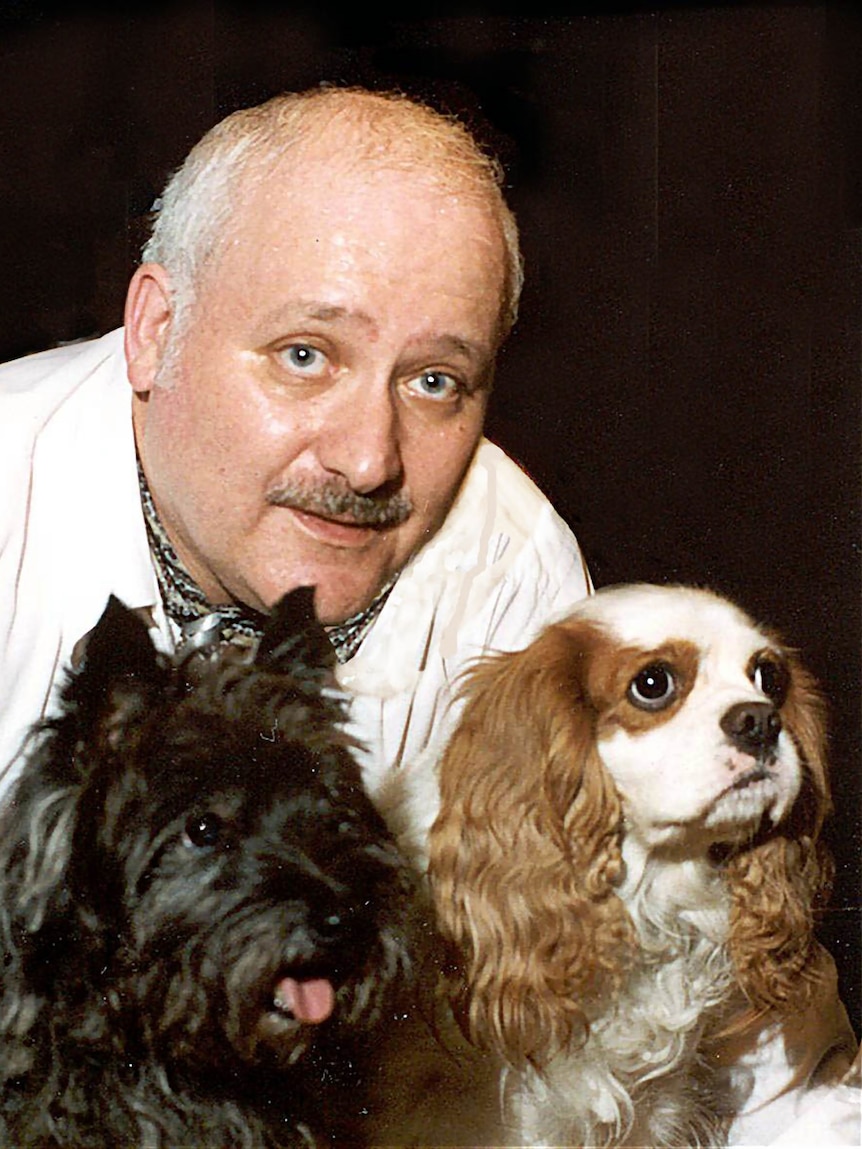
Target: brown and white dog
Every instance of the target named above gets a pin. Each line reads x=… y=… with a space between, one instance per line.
x=627 y=855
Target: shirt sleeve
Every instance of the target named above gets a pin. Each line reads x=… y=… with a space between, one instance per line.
x=787 y=1077
x=832 y=1117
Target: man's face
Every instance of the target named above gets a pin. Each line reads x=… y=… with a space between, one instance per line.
x=340 y=345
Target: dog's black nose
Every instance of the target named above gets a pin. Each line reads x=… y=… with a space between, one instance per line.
x=752 y=727
x=332 y=925
x=333 y=920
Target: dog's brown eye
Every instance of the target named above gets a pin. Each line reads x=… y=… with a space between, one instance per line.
x=203 y=829
x=770 y=677
x=652 y=688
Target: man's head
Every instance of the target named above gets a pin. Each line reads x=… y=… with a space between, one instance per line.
x=311 y=341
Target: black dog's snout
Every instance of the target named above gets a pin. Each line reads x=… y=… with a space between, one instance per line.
x=332 y=918
x=333 y=924
x=752 y=727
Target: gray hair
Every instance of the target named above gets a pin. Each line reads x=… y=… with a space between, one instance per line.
x=195 y=208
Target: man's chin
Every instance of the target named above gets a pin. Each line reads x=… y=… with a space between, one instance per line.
x=337 y=608
x=333 y=601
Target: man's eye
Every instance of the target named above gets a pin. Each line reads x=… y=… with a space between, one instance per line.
x=434 y=385
x=305 y=359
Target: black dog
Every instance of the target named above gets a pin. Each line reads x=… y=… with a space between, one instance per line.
x=204 y=920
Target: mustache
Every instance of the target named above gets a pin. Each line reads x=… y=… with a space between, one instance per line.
x=334 y=499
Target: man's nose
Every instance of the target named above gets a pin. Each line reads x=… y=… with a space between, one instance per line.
x=360 y=439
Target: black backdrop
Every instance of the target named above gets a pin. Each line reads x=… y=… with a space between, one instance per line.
x=684 y=380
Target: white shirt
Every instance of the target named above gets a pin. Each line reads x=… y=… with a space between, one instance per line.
x=503 y=564
x=72 y=532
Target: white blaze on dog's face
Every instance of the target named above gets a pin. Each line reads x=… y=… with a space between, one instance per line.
x=688 y=694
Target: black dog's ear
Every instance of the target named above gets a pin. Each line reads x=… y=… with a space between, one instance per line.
x=294 y=637
x=119 y=660
x=119 y=647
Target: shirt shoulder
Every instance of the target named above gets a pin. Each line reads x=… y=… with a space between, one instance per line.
x=528 y=567
x=46 y=376
x=503 y=563
x=38 y=389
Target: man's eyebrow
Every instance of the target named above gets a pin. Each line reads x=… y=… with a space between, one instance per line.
x=455 y=345
x=329 y=312
x=300 y=309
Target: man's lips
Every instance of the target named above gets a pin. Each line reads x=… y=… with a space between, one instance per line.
x=340 y=532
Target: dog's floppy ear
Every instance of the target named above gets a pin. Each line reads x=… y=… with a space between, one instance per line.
x=294 y=637
x=779 y=884
x=525 y=852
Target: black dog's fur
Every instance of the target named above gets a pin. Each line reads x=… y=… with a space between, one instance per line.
x=187 y=834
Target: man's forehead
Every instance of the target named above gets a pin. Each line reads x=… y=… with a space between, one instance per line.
x=353 y=151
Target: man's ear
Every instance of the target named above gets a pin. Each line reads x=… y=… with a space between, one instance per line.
x=148 y=317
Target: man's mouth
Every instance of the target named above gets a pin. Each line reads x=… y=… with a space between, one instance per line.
x=335 y=531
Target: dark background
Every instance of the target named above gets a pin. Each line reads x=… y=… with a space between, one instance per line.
x=684 y=380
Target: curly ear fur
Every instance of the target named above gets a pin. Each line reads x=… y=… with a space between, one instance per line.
x=777 y=886
x=525 y=852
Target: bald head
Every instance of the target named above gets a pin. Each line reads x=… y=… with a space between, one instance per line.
x=354 y=130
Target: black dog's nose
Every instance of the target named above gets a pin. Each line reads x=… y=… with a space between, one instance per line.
x=752 y=727
x=332 y=925
x=335 y=921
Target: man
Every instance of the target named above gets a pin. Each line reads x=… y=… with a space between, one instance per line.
x=297 y=398
x=310 y=345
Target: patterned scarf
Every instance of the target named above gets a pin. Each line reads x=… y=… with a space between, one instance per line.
x=187 y=606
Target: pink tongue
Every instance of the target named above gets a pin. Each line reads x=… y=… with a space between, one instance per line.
x=309 y=1001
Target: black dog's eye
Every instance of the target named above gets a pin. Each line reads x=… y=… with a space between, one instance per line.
x=770 y=676
x=652 y=688
x=203 y=829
